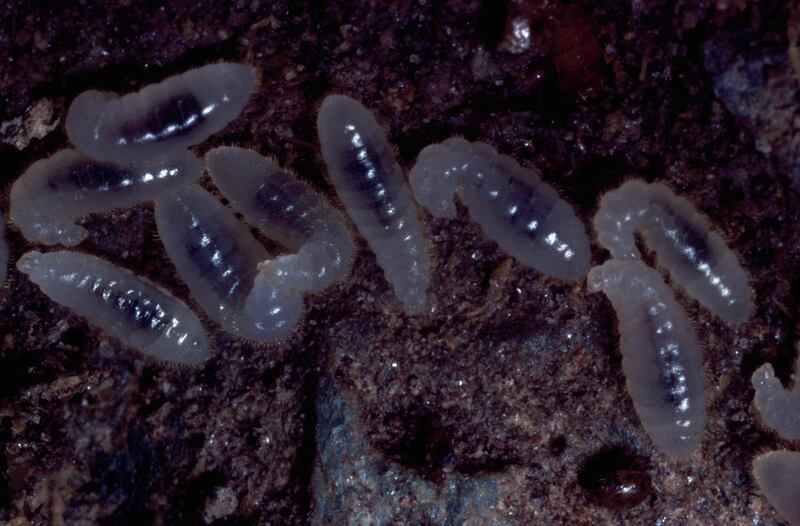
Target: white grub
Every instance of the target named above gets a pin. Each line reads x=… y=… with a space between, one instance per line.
x=218 y=258
x=696 y=257
x=177 y=112
x=661 y=358
x=370 y=183
x=288 y=211
x=779 y=407
x=4 y=254
x=777 y=474
x=55 y=192
x=125 y=306
x=522 y=214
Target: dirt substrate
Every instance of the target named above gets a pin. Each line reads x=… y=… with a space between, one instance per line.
x=507 y=404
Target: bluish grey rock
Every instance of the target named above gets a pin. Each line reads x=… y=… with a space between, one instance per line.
x=354 y=484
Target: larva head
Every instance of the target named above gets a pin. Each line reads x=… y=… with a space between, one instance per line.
x=345 y=125
x=29 y=262
x=596 y=279
x=236 y=81
x=83 y=123
x=321 y=261
x=434 y=177
x=272 y=310
x=231 y=166
x=778 y=407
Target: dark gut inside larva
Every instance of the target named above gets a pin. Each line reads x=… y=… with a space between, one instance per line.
x=89 y=175
x=366 y=167
x=693 y=245
x=174 y=117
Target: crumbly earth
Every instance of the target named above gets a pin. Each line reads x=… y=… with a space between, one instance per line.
x=514 y=379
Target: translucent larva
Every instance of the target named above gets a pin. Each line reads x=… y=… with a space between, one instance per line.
x=696 y=257
x=133 y=309
x=218 y=259
x=288 y=211
x=661 y=359
x=178 y=112
x=511 y=204
x=779 y=407
x=778 y=475
x=54 y=192
x=370 y=183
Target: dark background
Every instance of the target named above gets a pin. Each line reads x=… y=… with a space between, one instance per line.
x=517 y=376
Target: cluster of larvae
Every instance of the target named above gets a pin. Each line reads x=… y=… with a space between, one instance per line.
x=133 y=149
x=661 y=357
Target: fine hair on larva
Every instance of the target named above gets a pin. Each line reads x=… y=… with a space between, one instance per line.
x=217 y=257
x=697 y=258
x=522 y=214
x=778 y=407
x=288 y=211
x=128 y=307
x=53 y=193
x=177 y=112
x=371 y=184
x=661 y=358
x=777 y=474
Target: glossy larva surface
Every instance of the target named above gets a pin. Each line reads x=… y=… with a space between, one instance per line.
x=370 y=183
x=778 y=407
x=133 y=309
x=55 y=192
x=522 y=214
x=218 y=259
x=175 y=113
x=288 y=211
x=661 y=358
x=778 y=475
x=697 y=258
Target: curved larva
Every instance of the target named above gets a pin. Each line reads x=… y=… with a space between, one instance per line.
x=661 y=359
x=54 y=192
x=177 y=112
x=288 y=211
x=779 y=407
x=218 y=259
x=370 y=183
x=511 y=204
x=133 y=309
x=778 y=475
x=697 y=258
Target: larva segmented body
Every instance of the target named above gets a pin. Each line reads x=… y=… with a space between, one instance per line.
x=175 y=113
x=290 y=212
x=370 y=183
x=661 y=358
x=133 y=309
x=697 y=258
x=218 y=259
x=779 y=407
x=54 y=192
x=776 y=473
x=525 y=216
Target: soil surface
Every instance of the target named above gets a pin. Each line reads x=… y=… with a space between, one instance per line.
x=504 y=405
